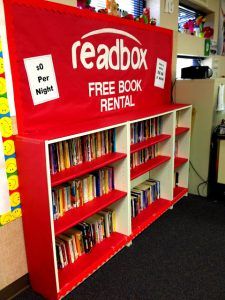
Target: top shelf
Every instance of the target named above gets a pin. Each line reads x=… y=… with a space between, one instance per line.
x=85 y=168
x=181 y=130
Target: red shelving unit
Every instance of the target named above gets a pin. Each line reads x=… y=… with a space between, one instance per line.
x=149 y=165
x=149 y=142
x=178 y=193
x=181 y=130
x=76 y=215
x=85 y=168
x=148 y=216
x=179 y=161
x=75 y=273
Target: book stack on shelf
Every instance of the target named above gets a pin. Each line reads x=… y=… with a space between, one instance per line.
x=144 y=195
x=80 y=239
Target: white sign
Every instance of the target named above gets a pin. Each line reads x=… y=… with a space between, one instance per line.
x=160 y=73
x=41 y=77
x=4 y=191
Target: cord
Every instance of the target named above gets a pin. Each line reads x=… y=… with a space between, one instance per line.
x=202 y=179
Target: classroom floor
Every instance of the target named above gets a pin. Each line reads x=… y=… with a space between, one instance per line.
x=181 y=256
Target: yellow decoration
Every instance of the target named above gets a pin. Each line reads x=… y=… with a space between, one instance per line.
x=4 y=106
x=6 y=218
x=2 y=86
x=9 y=147
x=17 y=213
x=6 y=127
x=13 y=182
x=11 y=166
x=1 y=66
x=15 y=199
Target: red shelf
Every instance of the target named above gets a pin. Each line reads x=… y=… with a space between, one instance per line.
x=179 y=161
x=181 y=130
x=76 y=215
x=178 y=193
x=148 y=216
x=149 y=142
x=75 y=273
x=85 y=168
x=149 y=165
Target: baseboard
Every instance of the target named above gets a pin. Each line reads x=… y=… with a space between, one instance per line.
x=15 y=288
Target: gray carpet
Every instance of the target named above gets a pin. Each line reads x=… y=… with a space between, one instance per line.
x=181 y=256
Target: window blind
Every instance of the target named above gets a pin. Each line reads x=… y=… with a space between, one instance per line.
x=134 y=7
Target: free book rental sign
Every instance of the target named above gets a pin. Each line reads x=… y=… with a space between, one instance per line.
x=78 y=66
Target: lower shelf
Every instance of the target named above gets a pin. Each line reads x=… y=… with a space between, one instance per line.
x=148 y=216
x=178 y=193
x=75 y=273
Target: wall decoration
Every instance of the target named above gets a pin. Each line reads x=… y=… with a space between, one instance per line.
x=10 y=207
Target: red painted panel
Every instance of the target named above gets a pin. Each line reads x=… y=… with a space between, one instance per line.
x=76 y=215
x=85 y=265
x=36 y=215
x=37 y=28
x=149 y=142
x=179 y=161
x=149 y=165
x=85 y=168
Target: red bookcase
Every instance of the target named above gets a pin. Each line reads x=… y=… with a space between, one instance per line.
x=36 y=182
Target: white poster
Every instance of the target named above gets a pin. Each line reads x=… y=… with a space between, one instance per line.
x=160 y=73
x=41 y=77
x=4 y=192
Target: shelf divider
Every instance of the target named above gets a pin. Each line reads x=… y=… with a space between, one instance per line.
x=181 y=130
x=86 y=167
x=178 y=193
x=149 y=142
x=179 y=161
x=149 y=165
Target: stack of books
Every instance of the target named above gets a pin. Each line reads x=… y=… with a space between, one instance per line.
x=66 y=154
x=83 y=237
x=143 y=130
x=143 y=156
x=80 y=191
x=143 y=195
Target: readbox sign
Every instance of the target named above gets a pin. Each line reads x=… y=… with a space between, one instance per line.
x=71 y=66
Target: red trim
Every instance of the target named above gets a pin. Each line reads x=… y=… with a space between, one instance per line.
x=76 y=215
x=149 y=142
x=179 y=161
x=181 y=130
x=149 y=165
x=85 y=168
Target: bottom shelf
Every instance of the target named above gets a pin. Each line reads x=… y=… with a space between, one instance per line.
x=178 y=193
x=148 y=216
x=75 y=273
x=154 y=211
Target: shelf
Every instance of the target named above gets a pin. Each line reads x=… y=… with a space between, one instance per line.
x=75 y=273
x=76 y=215
x=179 y=161
x=149 y=142
x=178 y=193
x=86 y=167
x=149 y=165
x=181 y=130
x=148 y=216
